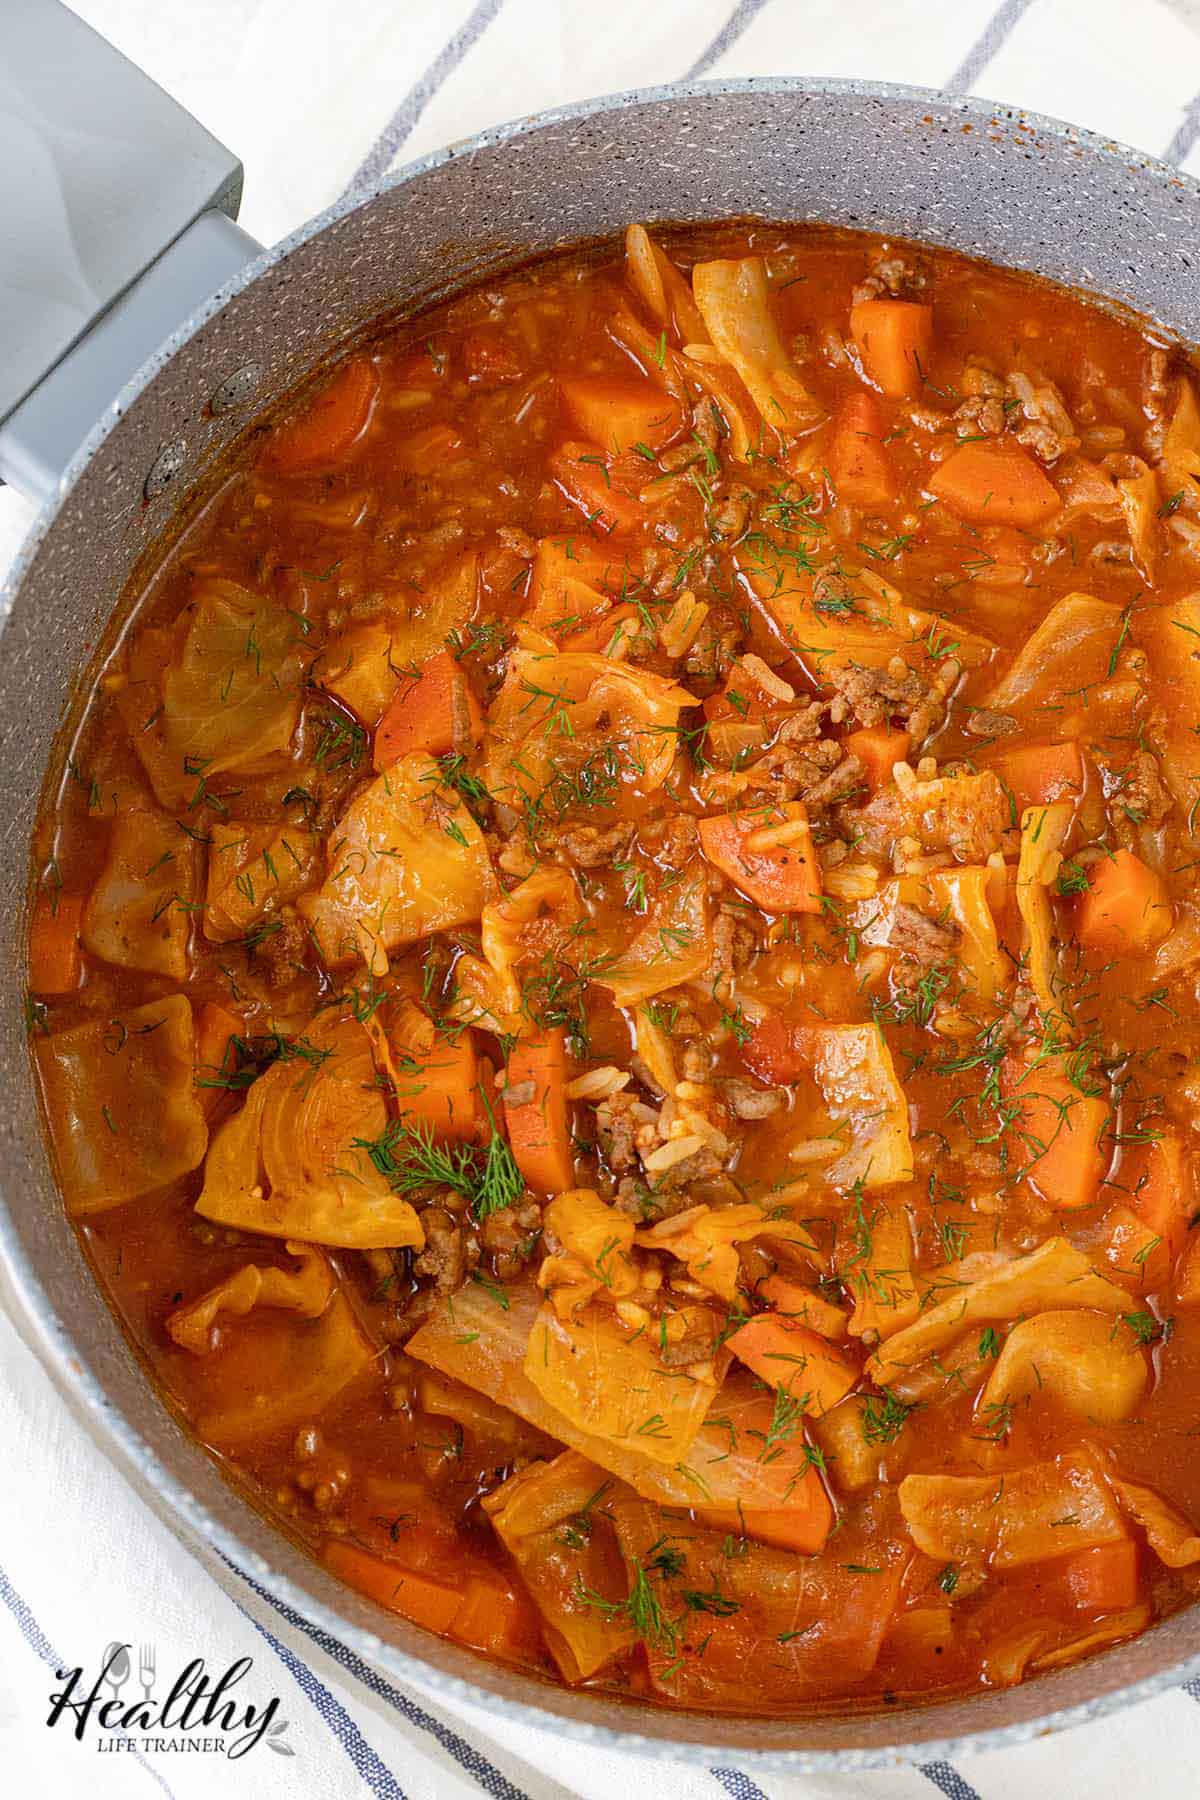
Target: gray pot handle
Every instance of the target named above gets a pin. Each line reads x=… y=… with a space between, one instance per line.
x=117 y=219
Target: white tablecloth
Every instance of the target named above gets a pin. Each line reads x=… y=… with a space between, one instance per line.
x=312 y=93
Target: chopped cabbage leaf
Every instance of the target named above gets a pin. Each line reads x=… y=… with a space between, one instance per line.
x=1054 y=1275
x=1167 y=1531
x=138 y=914
x=878 y=1268
x=853 y=1069
x=364 y=664
x=305 y=1291
x=844 y=614
x=1181 y=446
x=405 y=860
x=808 y=1623
x=306 y=1155
x=229 y=697
x=706 y=1239
x=253 y=870
x=1049 y=1508
x=1079 y=1357
x=661 y=288
x=595 y=1240
x=1043 y=832
x=552 y=1520
x=1170 y=636
x=1071 y=650
x=583 y=715
x=280 y=1371
x=515 y=930
x=735 y=304
x=122 y=1111
x=481 y=1338
x=612 y=1385
x=672 y=946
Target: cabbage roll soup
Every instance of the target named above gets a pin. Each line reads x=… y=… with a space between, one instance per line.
x=614 y=968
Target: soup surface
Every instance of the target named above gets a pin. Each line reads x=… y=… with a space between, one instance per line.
x=614 y=972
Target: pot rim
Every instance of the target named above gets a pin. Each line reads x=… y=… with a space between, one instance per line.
x=55 y=1348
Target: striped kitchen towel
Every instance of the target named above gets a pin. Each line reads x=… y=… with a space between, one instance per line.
x=317 y=95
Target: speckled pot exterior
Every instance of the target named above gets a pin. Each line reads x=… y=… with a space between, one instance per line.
x=1020 y=190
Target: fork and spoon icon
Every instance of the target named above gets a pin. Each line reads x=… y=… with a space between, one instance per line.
x=118 y=1667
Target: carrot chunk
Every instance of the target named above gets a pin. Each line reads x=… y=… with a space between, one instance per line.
x=795 y=1301
x=858 y=461
x=767 y=852
x=538 y=1128
x=215 y=1026
x=1055 y=1134
x=788 y=1355
x=439 y=1086
x=433 y=1604
x=433 y=710
x=332 y=424
x=1148 y=1227
x=55 y=955
x=619 y=415
x=803 y=1524
x=894 y=338
x=1038 y=774
x=1103 y=1579
x=773 y=1052
x=878 y=750
x=582 y=475
x=994 y=483
x=497 y=1617
x=1125 y=908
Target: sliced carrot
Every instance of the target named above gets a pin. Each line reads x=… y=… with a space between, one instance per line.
x=437 y=1083
x=497 y=1617
x=426 y=452
x=803 y=1524
x=539 y=1131
x=331 y=425
x=1126 y=907
x=1148 y=1227
x=878 y=750
x=1037 y=774
x=619 y=415
x=215 y=1026
x=858 y=461
x=994 y=483
x=773 y=1052
x=894 y=338
x=767 y=852
x=788 y=1355
x=433 y=1604
x=572 y=579
x=792 y=1300
x=1055 y=1134
x=55 y=953
x=1104 y=1579
x=582 y=474
x=433 y=710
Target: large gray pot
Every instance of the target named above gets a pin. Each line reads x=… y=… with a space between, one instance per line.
x=1022 y=190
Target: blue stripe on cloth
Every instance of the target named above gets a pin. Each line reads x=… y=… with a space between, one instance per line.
x=735 y=1782
x=374 y=1771
x=730 y=32
x=37 y=1640
x=382 y=153
x=945 y=1776
x=996 y=32
x=1185 y=137
x=490 y=1778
